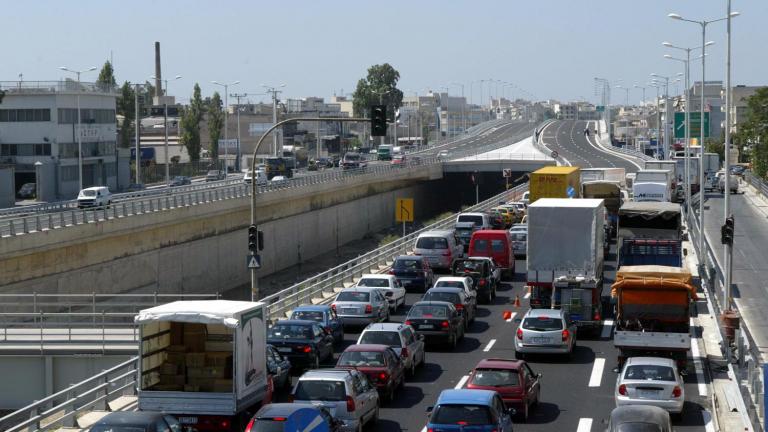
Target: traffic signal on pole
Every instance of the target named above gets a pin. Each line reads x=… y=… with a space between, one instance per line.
x=255 y=239
x=378 y=120
x=726 y=231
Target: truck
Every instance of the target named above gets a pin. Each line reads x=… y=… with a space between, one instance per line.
x=653 y=314
x=652 y=185
x=296 y=153
x=610 y=193
x=384 y=152
x=649 y=233
x=279 y=166
x=555 y=182
x=204 y=362
x=565 y=257
x=604 y=174
x=694 y=172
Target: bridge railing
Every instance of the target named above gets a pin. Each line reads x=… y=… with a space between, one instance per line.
x=757 y=183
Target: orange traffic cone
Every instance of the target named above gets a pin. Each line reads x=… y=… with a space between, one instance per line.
x=517 y=301
x=506 y=315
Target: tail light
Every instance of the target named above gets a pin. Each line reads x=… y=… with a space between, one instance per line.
x=333 y=306
x=350 y=404
x=597 y=316
x=382 y=376
x=281 y=419
x=482 y=282
x=445 y=324
x=391 y=272
x=520 y=334
x=250 y=425
x=290 y=398
x=459 y=307
x=225 y=424
x=447 y=253
x=408 y=322
x=306 y=349
x=677 y=392
x=404 y=353
x=368 y=309
x=623 y=390
x=566 y=335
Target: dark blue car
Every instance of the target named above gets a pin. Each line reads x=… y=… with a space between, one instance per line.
x=324 y=315
x=279 y=367
x=305 y=343
x=413 y=271
x=476 y=410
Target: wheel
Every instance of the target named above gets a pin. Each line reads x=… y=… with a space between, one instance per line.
x=525 y=413
x=519 y=355
x=463 y=332
x=375 y=417
x=423 y=358
x=488 y=298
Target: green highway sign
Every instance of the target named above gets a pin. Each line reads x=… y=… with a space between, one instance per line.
x=600 y=108
x=695 y=124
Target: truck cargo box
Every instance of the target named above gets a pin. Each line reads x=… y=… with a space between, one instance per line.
x=555 y=182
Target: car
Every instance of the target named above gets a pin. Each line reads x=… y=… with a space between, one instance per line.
x=388 y=284
x=639 y=418
x=27 y=190
x=346 y=393
x=413 y=271
x=136 y=421
x=443 y=154
x=324 y=162
x=402 y=338
x=482 y=220
x=464 y=232
x=496 y=244
x=324 y=315
x=733 y=186
x=463 y=281
x=466 y=305
x=526 y=198
x=651 y=381
x=279 y=367
x=737 y=169
x=135 y=187
x=507 y=215
x=519 y=206
x=96 y=196
x=361 y=306
x=440 y=247
x=519 y=243
x=436 y=321
x=180 y=181
x=353 y=160
x=276 y=180
x=260 y=175
x=384 y=368
x=484 y=273
x=414 y=160
x=475 y=410
x=274 y=417
x=545 y=331
x=305 y=343
x=399 y=159
x=215 y=175
x=518 y=385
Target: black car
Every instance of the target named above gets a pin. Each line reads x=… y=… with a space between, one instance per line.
x=27 y=190
x=413 y=271
x=305 y=343
x=180 y=181
x=324 y=162
x=466 y=305
x=273 y=417
x=437 y=321
x=482 y=273
x=279 y=367
x=639 y=418
x=136 y=421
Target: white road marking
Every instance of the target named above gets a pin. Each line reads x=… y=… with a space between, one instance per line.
x=597 y=373
x=424 y=429
x=461 y=382
x=697 y=365
x=707 y=417
x=527 y=295
x=607 y=327
x=512 y=317
x=489 y=346
x=585 y=425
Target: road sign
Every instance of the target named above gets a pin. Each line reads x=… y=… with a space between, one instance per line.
x=571 y=192
x=695 y=124
x=554 y=154
x=506 y=173
x=404 y=210
x=253 y=261
x=600 y=108
x=229 y=144
x=305 y=420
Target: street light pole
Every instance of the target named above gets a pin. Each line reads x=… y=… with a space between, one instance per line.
x=238 y=96
x=165 y=124
x=273 y=90
x=226 y=123
x=79 y=132
x=727 y=163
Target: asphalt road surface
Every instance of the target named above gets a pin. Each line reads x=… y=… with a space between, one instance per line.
x=568 y=139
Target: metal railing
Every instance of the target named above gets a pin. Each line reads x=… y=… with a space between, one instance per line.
x=62 y=408
x=64 y=86
x=757 y=183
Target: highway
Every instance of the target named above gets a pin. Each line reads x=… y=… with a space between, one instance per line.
x=567 y=138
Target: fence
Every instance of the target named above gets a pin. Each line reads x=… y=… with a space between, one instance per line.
x=757 y=183
x=155 y=173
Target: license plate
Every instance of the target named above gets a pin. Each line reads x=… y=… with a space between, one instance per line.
x=188 y=420
x=648 y=394
x=426 y=326
x=434 y=259
x=541 y=340
x=284 y=349
x=349 y=311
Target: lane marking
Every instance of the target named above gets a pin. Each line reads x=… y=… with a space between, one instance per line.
x=461 y=382
x=527 y=295
x=489 y=346
x=424 y=429
x=702 y=386
x=597 y=373
x=585 y=425
x=512 y=317
x=708 y=424
x=607 y=327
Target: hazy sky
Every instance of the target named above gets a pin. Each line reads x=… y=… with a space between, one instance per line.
x=552 y=48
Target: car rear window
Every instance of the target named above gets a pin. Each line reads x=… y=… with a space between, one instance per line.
x=496 y=377
x=442 y=296
x=542 y=323
x=518 y=236
x=373 y=282
x=650 y=372
x=480 y=245
x=432 y=243
x=287 y=331
x=323 y=390
x=638 y=427
x=472 y=266
x=409 y=264
x=354 y=296
x=478 y=220
x=381 y=338
x=308 y=316
x=449 y=284
x=497 y=245
x=424 y=311
x=464 y=415
x=361 y=358
x=268 y=425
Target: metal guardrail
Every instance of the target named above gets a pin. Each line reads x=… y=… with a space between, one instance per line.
x=61 y=409
x=757 y=183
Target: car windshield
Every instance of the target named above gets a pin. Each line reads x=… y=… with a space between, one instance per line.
x=450 y=284
x=650 y=373
x=464 y=415
x=442 y=296
x=268 y=425
x=213 y=173
x=638 y=427
x=373 y=282
x=542 y=323
x=352 y=157
x=381 y=338
x=88 y=193
x=496 y=377
x=361 y=358
x=477 y=219
x=320 y=390
x=425 y=311
x=432 y=243
x=354 y=296
x=290 y=331
x=308 y=315
x=408 y=264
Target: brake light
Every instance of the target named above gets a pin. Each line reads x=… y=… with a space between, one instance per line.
x=333 y=306
x=677 y=392
x=250 y=425
x=447 y=253
x=407 y=322
x=566 y=335
x=482 y=282
x=445 y=324
x=368 y=309
x=461 y=423
x=350 y=404
x=404 y=353
x=520 y=334
x=279 y=419
x=391 y=272
x=459 y=306
x=307 y=349
x=597 y=316
x=382 y=376
x=623 y=390
x=225 y=424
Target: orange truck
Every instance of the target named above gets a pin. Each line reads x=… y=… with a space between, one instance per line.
x=555 y=182
x=653 y=311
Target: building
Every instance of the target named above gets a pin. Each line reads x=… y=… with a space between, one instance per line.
x=345 y=105
x=713 y=103
x=566 y=111
x=39 y=135
x=740 y=94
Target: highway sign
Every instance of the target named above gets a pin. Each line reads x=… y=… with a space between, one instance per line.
x=253 y=261
x=695 y=124
x=305 y=420
x=571 y=192
x=600 y=108
x=404 y=210
x=506 y=173
x=229 y=144
x=554 y=154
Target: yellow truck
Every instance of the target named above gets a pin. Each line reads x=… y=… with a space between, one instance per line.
x=555 y=182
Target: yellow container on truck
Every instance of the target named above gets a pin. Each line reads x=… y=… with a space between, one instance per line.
x=555 y=182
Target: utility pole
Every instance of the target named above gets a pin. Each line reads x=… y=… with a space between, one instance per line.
x=274 y=91
x=226 y=122
x=239 y=149
x=727 y=163
x=136 y=135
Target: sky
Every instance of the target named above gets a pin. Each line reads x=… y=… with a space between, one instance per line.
x=551 y=48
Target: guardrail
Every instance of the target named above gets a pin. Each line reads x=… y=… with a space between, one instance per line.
x=61 y=409
x=757 y=183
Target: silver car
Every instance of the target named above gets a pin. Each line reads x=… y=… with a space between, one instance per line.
x=651 y=381
x=519 y=243
x=361 y=306
x=346 y=393
x=401 y=338
x=440 y=248
x=545 y=331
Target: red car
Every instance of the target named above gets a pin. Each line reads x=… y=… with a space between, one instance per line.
x=514 y=380
x=380 y=363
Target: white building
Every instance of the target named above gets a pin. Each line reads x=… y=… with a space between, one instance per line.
x=39 y=129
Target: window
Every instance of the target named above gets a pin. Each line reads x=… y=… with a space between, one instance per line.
x=287 y=331
x=432 y=243
x=424 y=311
x=442 y=296
x=496 y=377
x=464 y=415
x=381 y=337
x=497 y=245
x=87 y=116
x=308 y=316
x=542 y=323
x=25 y=115
x=409 y=264
x=361 y=358
x=481 y=245
x=353 y=296
x=374 y=282
x=320 y=390
x=650 y=372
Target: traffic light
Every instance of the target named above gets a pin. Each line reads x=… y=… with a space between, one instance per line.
x=255 y=239
x=378 y=120
x=726 y=231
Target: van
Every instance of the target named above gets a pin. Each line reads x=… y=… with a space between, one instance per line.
x=260 y=175
x=481 y=220
x=97 y=196
x=496 y=244
x=439 y=247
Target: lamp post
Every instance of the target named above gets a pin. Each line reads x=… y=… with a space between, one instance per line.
x=274 y=91
x=643 y=89
x=659 y=78
x=464 y=103
x=238 y=96
x=226 y=123
x=165 y=124
x=79 y=132
x=626 y=105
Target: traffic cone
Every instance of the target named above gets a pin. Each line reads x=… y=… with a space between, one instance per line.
x=506 y=315
x=517 y=300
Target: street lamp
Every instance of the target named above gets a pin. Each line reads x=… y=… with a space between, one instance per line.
x=79 y=132
x=642 y=88
x=658 y=79
x=226 y=123
x=165 y=123
x=464 y=103
x=274 y=91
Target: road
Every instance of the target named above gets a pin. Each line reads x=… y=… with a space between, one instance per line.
x=568 y=139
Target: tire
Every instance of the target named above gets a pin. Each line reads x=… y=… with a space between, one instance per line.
x=423 y=359
x=452 y=342
x=525 y=413
x=519 y=355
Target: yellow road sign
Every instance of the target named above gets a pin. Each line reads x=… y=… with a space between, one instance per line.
x=404 y=210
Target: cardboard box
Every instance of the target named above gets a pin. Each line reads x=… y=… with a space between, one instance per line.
x=218 y=345
x=177 y=334
x=218 y=329
x=176 y=358
x=194 y=328
x=195 y=360
x=222 y=385
x=207 y=372
x=173 y=379
x=218 y=359
x=180 y=348
x=169 y=369
x=203 y=384
x=191 y=388
x=195 y=342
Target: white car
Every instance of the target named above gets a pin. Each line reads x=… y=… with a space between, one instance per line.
x=388 y=284
x=651 y=381
x=97 y=196
x=278 y=179
x=260 y=175
x=526 y=199
x=464 y=282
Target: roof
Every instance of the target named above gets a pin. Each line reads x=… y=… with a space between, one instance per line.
x=445 y=289
x=377 y=276
x=436 y=233
x=464 y=225
x=472 y=214
x=130 y=418
x=666 y=209
x=567 y=202
x=294 y=322
x=486 y=233
x=556 y=170
x=411 y=257
x=498 y=363
x=282 y=409
x=656 y=361
x=362 y=289
x=384 y=327
x=452 y=278
x=645 y=413
x=198 y=311
x=465 y=396
x=552 y=313
x=312 y=308
x=366 y=347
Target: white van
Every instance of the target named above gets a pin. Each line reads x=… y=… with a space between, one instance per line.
x=261 y=177
x=481 y=220
x=96 y=196
x=440 y=247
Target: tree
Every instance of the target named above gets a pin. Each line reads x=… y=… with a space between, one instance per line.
x=126 y=107
x=107 y=75
x=215 y=123
x=378 y=87
x=190 y=124
x=754 y=130
x=714 y=145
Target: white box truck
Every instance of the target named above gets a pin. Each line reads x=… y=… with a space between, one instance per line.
x=652 y=185
x=204 y=362
x=604 y=174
